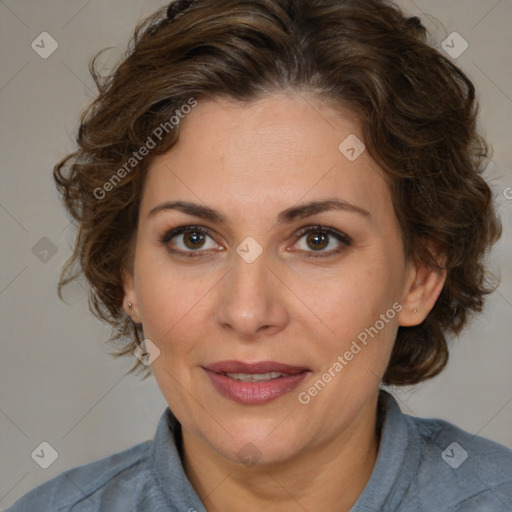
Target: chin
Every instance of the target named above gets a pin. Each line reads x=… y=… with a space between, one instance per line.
x=250 y=444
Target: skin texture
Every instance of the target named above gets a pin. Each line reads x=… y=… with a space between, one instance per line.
x=250 y=162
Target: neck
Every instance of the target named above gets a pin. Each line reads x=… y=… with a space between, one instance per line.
x=328 y=476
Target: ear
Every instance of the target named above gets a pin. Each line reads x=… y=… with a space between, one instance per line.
x=423 y=286
x=129 y=295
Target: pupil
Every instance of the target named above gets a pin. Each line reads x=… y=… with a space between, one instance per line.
x=194 y=238
x=319 y=240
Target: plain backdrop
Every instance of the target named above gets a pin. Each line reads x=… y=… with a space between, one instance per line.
x=57 y=382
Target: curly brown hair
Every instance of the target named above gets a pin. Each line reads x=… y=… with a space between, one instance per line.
x=417 y=108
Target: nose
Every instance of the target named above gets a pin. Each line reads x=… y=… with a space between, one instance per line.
x=251 y=301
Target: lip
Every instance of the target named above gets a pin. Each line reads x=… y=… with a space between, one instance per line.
x=259 y=367
x=254 y=393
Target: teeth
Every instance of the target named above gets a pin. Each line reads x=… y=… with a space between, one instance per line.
x=254 y=377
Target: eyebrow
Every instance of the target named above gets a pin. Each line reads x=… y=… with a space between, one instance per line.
x=286 y=216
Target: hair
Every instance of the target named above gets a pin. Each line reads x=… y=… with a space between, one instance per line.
x=418 y=113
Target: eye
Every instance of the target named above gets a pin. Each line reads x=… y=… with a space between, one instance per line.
x=187 y=240
x=318 y=238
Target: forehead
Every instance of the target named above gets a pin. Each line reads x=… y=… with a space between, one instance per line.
x=266 y=155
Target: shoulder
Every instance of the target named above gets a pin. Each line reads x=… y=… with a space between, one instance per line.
x=460 y=470
x=88 y=484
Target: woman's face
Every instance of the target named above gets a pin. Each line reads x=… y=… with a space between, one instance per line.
x=273 y=281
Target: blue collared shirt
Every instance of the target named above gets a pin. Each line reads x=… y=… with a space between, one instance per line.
x=423 y=465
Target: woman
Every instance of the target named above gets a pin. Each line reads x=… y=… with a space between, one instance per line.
x=280 y=208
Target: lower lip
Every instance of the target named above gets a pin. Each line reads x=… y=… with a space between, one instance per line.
x=254 y=393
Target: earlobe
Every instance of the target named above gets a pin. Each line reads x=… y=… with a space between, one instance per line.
x=423 y=287
x=129 y=300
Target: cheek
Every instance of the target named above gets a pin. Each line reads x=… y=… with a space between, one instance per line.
x=353 y=296
x=168 y=302
x=358 y=320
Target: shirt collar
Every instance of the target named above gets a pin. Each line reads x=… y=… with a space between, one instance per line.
x=397 y=461
x=168 y=468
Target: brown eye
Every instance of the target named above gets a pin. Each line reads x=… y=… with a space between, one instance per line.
x=317 y=241
x=318 y=238
x=188 y=240
x=193 y=240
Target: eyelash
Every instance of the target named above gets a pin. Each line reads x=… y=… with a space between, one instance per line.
x=341 y=237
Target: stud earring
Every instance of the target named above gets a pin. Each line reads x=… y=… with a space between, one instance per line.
x=414 y=310
x=130 y=306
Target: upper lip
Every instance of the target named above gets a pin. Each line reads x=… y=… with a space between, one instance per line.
x=258 y=367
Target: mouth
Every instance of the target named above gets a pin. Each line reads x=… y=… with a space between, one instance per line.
x=254 y=383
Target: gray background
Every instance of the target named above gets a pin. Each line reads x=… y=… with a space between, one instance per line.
x=57 y=382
